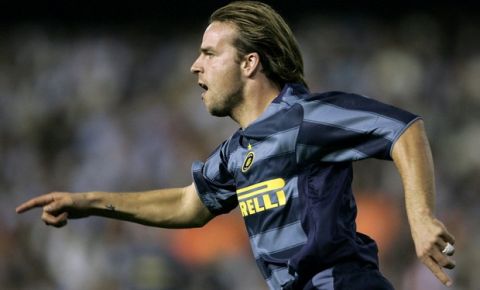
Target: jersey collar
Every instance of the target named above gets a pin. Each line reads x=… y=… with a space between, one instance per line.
x=290 y=94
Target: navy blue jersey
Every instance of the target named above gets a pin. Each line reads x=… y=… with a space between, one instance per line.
x=290 y=173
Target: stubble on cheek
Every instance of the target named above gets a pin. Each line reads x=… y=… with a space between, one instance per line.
x=222 y=105
x=227 y=92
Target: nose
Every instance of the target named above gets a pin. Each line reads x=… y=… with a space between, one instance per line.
x=196 y=68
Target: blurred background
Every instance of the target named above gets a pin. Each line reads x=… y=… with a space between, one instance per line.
x=97 y=96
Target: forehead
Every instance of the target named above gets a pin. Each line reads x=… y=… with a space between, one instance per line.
x=218 y=34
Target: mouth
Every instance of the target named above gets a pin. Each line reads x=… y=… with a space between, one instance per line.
x=203 y=86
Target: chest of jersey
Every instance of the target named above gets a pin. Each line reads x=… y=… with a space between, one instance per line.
x=262 y=170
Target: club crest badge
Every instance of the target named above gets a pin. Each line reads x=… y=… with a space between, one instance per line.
x=247 y=163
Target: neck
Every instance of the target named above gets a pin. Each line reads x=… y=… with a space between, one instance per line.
x=257 y=97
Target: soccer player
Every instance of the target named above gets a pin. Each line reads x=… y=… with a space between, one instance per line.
x=289 y=166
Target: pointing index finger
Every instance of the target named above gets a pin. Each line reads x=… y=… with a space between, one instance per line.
x=34 y=202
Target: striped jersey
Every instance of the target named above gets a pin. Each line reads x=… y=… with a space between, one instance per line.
x=290 y=173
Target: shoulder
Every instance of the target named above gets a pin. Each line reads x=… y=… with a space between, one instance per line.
x=348 y=102
x=339 y=98
x=323 y=104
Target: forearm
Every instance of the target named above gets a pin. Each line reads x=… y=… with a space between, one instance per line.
x=413 y=158
x=167 y=208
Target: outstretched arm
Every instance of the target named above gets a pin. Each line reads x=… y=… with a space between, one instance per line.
x=168 y=208
x=413 y=159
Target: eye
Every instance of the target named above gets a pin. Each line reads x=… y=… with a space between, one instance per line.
x=208 y=53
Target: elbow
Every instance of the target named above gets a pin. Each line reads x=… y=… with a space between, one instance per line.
x=195 y=212
x=197 y=224
x=200 y=220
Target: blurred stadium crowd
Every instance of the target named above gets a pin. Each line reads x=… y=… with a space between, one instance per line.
x=117 y=109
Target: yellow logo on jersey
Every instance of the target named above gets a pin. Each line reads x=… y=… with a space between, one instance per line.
x=261 y=196
x=247 y=163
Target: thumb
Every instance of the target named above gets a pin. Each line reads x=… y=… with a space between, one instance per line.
x=53 y=207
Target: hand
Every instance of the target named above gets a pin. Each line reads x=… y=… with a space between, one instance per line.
x=431 y=237
x=58 y=207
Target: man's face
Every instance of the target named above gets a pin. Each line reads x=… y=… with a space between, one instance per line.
x=218 y=69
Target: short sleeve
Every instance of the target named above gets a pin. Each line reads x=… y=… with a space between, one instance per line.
x=214 y=184
x=340 y=127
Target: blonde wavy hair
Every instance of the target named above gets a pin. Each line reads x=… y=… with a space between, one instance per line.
x=262 y=30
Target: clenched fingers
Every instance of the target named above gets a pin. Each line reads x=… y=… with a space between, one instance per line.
x=55 y=220
x=441 y=258
x=447 y=237
x=446 y=248
x=437 y=252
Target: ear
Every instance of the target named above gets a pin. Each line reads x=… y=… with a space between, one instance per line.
x=251 y=64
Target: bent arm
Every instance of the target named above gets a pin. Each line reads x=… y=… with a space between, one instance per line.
x=167 y=208
x=413 y=159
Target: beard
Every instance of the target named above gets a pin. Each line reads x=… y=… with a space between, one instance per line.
x=227 y=104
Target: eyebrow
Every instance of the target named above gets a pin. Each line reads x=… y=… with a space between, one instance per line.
x=206 y=49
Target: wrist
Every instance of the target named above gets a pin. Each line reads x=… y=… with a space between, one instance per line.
x=89 y=201
x=419 y=214
x=100 y=203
